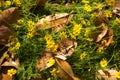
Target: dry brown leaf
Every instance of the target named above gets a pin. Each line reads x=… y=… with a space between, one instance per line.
x=12 y=63
x=108 y=38
x=43 y=60
x=6 y=77
x=99 y=33
x=65 y=70
x=106 y=74
x=56 y=21
x=3 y=57
x=5 y=32
x=116 y=8
x=100 y=18
x=66 y=47
x=9 y=16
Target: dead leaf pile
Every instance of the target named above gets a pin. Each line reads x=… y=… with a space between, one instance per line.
x=56 y=21
x=7 y=60
x=65 y=70
x=102 y=34
x=65 y=49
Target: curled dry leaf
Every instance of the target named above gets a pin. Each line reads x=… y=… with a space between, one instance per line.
x=106 y=74
x=11 y=63
x=99 y=33
x=100 y=18
x=9 y=16
x=108 y=38
x=66 y=47
x=43 y=60
x=65 y=70
x=56 y=21
x=116 y=8
x=3 y=57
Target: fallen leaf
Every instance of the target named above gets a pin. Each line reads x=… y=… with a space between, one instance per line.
x=9 y=16
x=65 y=70
x=100 y=18
x=116 y=8
x=56 y=21
x=3 y=57
x=99 y=33
x=108 y=38
x=107 y=74
x=66 y=47
x=43 y=60
x=14 y=64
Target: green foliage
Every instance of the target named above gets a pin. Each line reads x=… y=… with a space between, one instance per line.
x=31 y=48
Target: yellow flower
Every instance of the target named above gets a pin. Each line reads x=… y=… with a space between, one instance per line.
x=89 y=39
x=31 y=23
x=83 y=21
x=76 y=30
x=103 y=42
x=87 y=8
x=117 y=20
x=63 y=35
x=118 y=74
x=17 y=27
x=110 y=2
x=82 y=56
x=7 y=3
x=11 y=72
x=20 y=21
x=17 y=3
x=17 y=46
x=31 y=29
x=48 y=37
x=51 y=62
x=88 y=23
x=85 y=1
x=29 y=35
x=72 y=36
x=108 y=13
x=99 y=49
x=54 y=72
x=99 y=5
x=86 y=32
x=103 y=63
x=51 y=45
